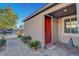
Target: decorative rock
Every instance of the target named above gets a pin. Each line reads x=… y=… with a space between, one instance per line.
x=2 y=48
x=71 y=44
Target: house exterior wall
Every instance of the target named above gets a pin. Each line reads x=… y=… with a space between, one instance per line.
x=55 y=30
x=77 y=5
x=66 y=37
x=35 y=27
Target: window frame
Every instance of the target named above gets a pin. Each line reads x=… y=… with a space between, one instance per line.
x=69 y=34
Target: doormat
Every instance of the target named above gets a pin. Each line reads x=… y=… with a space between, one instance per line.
x=52 y=47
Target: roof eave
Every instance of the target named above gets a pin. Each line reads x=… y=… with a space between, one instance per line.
x=39 y=11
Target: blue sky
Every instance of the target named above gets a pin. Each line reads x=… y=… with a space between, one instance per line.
x=23 y=9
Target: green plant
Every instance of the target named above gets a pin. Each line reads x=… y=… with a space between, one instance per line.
x=34 y=44
x=19 y=36
x=24 y=38
x=2 y=42
x=29 y=37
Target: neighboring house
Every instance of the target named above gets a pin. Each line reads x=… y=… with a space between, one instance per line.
x=20 y=31
x=54 y=22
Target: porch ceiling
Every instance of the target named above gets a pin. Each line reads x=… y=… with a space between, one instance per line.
x=69 y=10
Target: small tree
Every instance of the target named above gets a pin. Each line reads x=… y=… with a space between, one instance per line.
x=7 y=18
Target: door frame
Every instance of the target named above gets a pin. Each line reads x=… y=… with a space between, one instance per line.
x=52 y=34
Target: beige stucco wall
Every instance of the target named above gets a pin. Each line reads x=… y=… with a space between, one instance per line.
x=33 y=27
x=55 y=30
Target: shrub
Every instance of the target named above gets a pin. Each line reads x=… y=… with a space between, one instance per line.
x=26 y=39
x=2 y=42
x=29 y=37
x=19 y=36
x=34 y=44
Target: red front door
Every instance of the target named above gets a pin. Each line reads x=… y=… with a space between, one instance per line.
x=48 y=39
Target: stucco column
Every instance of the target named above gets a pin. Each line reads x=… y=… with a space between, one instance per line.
x=77 y=6
x=43 y=36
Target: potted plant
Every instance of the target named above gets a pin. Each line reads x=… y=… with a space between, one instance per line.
x=34 y=44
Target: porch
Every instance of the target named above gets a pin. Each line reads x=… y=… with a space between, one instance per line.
x=62 y=26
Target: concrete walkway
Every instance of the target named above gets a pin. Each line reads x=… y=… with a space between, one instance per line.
x=15 y=47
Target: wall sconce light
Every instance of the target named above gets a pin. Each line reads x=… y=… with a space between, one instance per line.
x=65 y=10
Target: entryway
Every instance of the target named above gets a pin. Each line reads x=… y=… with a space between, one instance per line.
x=51 y=30
x=48 y=30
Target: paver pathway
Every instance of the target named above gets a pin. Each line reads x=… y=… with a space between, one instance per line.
x=15 y=47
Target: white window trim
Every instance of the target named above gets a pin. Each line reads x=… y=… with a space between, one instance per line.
x=68 y=34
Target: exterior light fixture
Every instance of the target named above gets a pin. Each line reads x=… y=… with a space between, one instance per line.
x=65 y=10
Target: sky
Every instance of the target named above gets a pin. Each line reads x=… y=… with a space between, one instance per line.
x=23 y=9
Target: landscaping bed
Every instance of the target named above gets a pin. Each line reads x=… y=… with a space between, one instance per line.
x=2 y=44
x=33 y=44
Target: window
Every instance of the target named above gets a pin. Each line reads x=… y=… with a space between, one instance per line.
x=67 y=25
x=70 y=26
